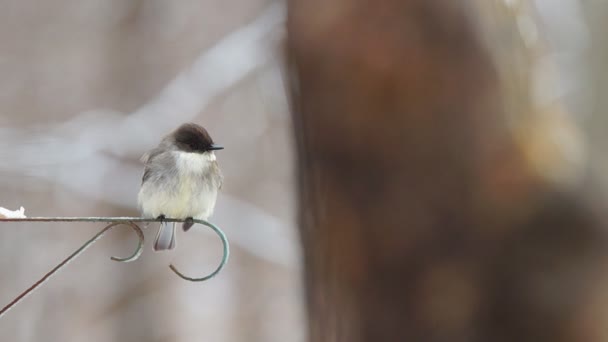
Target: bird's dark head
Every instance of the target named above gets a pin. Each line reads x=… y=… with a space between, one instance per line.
x=191 y=137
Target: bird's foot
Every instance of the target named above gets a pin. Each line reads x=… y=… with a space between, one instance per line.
x=188 y=223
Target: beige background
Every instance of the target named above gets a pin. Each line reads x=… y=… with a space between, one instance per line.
x=87 y=86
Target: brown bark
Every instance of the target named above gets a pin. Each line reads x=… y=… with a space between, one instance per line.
x=420 y=221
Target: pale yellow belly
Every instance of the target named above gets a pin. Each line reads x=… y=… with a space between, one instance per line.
x=187 y=198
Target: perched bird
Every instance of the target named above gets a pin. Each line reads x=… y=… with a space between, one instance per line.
x=181 y=181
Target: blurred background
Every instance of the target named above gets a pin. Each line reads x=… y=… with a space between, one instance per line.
x=86 y=87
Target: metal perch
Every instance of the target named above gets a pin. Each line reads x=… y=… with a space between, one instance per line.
x=113 y=221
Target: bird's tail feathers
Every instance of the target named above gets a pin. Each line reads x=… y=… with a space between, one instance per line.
x=165 y=239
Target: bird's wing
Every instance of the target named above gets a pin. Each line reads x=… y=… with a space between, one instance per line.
x=219 y=178
x=146 y=175
x=148 y=156
x=146 y=159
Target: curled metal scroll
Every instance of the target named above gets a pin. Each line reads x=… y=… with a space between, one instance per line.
x=226 y=250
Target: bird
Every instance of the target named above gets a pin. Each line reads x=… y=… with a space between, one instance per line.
x=181 y=180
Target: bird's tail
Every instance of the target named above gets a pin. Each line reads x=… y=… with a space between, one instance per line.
x=165 y=239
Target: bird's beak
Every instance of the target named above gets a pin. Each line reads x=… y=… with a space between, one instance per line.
x=216 y=147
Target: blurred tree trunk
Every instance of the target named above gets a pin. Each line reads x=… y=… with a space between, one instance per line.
x=420 y=220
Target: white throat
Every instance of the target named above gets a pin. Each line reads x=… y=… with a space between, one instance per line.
x=190 y=161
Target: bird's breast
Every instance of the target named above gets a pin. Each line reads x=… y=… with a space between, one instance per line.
x=188 y=194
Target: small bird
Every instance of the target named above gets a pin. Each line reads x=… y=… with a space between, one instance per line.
x=181 y=181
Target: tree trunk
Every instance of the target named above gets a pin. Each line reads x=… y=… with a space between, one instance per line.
x=419 y=218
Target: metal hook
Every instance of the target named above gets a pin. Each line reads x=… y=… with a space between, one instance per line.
x=82 y=248
x=113 y=221
x=226 y=250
